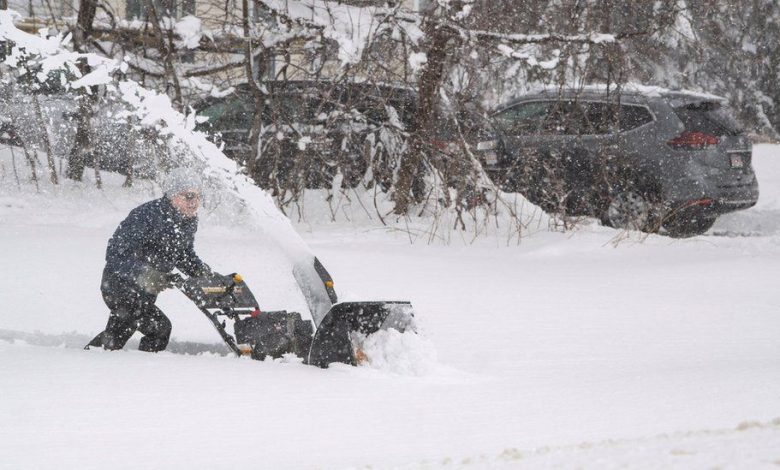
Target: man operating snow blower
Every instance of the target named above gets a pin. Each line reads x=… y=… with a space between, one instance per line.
x=155 y=238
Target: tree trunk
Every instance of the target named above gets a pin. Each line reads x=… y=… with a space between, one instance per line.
x=46 y=142
x=254 y=72
x=4 y=49
x=439 y=38
x=82 y=145
x=31 y=162
x=167 y=51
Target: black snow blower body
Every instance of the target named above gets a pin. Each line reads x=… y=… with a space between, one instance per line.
x=332 y=337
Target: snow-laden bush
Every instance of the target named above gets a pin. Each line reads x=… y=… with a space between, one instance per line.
x=153 y=113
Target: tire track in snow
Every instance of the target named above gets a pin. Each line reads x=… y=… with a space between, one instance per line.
x=78 y=340
x=751 y=444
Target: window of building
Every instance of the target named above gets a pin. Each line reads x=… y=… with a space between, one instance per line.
x=137 y=9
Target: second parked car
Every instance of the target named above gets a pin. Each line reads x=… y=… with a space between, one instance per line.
x=312 y=131
x=645 y=158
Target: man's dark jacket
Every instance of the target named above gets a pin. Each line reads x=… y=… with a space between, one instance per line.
x=153 y=235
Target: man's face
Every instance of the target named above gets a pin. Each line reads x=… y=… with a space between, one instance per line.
x=187 y=202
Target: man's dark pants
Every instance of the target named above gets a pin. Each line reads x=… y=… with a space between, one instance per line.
x=132 y=309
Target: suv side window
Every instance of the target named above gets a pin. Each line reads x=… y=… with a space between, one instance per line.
x=523 y=118
x=632 y=117
x=566 y=118
x=600 y=118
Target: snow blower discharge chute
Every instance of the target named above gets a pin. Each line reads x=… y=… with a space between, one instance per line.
x=260 y=334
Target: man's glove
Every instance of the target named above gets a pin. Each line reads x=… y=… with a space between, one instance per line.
x=153 y=281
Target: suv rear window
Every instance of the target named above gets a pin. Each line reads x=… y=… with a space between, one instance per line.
x=709 y=117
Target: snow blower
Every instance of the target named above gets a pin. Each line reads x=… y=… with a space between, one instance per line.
x=260 y=334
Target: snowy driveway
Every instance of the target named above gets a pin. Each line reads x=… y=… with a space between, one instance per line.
x=565 y=350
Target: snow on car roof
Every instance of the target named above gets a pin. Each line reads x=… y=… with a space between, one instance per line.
x=627 y=89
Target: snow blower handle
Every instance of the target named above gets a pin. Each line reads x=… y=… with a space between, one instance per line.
x=237 y=279
x=176 y=280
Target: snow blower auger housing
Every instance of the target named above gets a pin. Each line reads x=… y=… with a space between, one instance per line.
x=262 y=334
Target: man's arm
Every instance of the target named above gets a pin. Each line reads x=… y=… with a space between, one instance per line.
x=125 y=247
x=191 y=264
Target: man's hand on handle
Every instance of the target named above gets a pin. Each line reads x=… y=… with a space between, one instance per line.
x=153 y=281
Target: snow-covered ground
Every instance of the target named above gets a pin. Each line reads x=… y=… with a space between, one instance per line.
x=567 y=350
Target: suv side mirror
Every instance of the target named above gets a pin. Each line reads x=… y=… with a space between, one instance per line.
x=487 y=145
x=488 y=151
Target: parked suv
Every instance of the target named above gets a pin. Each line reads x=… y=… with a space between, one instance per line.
x=312 y=130
x=646 y=158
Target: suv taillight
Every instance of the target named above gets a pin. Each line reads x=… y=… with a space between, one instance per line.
x=693 y=141
x=440 y=144
x=446 y=147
